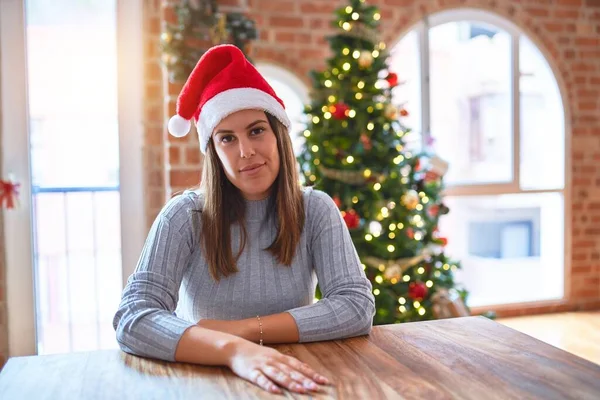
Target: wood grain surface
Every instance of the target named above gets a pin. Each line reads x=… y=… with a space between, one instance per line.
x=460 y=358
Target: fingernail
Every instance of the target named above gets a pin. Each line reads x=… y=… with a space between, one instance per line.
x=299 y=387
x=311 y=385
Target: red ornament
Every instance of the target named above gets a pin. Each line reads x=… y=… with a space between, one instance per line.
x=8 y=193
x=431 y=176
x=337 y=201
x=410 y=233
x=366 y=141
x=392 y=79
x=443 y=241
x=418 y=164
x=403 y=112
x=417 y=291
x=339 y=111
x=434 y=210
x=351 y=218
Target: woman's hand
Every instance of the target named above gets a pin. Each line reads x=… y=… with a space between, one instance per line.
x=271 y=370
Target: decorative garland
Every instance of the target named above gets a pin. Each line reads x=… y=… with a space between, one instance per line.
x=349 y=177
x=199 y=26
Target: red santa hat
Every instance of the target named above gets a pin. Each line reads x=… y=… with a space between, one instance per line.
x=222 y=82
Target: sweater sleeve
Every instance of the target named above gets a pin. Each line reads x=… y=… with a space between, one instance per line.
x=145 y=322
x=347 y=306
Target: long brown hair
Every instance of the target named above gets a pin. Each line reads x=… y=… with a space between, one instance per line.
x=224 y=206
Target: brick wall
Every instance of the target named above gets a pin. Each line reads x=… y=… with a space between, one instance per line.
x=292 y=36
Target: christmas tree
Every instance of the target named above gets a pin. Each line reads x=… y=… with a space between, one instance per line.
x=390 y=198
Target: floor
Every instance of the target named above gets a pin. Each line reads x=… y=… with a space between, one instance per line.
x=575 y=332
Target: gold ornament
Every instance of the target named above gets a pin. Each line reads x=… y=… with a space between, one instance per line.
x=218 y=32
x=410 y=199
x=391 y=112
x=365 y=60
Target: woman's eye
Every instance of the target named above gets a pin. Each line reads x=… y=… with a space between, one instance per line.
x=257 y=131
x=226 y=139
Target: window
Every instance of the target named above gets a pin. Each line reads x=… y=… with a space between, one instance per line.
x=74 y=145
x=492 y=108
x=294 y=95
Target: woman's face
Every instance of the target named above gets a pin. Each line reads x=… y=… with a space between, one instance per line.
x=247 y=148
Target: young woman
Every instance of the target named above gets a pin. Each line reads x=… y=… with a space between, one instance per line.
x=235 y=264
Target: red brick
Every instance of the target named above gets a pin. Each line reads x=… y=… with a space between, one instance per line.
x=590 y=54
x=174 y=88
x=317 y=23
x=279 y=6
x=183 y=178
x=174 y=155
x=318 y=7
x=311 y=54
x=570 y=2
x=585 y=244
x=554 y=26
x=592 y=3
x=588 y=93
x=153 y=71
x=169 y=15
x=156 y=179
x=286 y=22
x=153 y=91
x=154 y=136
x=402 y=3
x=587 y=41
x=587 y=106
x=537 y=11
x=566 y=14
x=230 y=3
x=584 y=269
x=157 y=199
x=192 y=155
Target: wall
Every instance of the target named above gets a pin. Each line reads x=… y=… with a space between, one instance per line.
x=292 y=36
x=3 y=321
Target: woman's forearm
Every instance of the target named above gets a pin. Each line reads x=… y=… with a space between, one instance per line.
x=276 y=328
x=203 y=346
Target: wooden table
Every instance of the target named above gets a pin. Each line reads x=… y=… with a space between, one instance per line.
x=466 y=358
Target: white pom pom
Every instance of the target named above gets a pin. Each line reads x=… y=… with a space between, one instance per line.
x=178 y=126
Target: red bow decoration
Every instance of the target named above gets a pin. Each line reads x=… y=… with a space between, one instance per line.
x=8 y=193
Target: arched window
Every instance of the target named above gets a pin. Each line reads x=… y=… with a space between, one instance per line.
x=484 y=98
x=294 y=95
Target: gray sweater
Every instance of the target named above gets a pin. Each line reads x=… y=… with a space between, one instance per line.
x=171 y=288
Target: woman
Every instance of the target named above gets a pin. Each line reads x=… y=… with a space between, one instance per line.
x=235 y=265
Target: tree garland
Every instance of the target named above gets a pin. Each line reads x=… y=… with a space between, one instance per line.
x=200 y=25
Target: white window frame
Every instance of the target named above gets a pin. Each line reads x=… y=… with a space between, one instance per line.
x=283 y=75
x=18 y=243
x=482 y=189
x=18 y=237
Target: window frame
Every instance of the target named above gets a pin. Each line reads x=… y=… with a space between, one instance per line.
x=18 y=228
x=513 y=187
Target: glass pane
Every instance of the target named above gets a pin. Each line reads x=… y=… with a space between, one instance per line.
x=470 y=77
x=511 y=246
x=72 y=82
x=71 y=50
x=294 y=107
x=405 y=62
x=542 y=122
